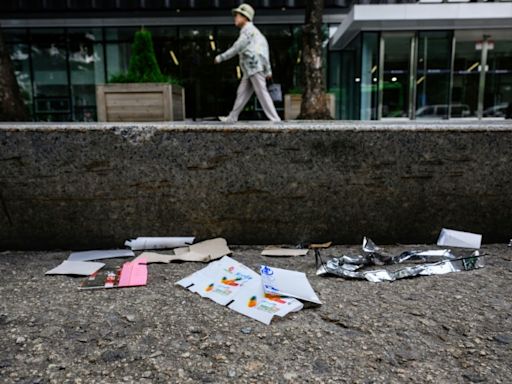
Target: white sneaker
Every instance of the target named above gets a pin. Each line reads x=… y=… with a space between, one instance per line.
x=226 y=119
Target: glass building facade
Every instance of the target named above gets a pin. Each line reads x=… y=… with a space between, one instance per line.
x=58 y=68
x=411 y=73
x=424 y=75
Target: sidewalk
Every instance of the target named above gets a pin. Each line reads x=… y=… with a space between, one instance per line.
x=453 y=328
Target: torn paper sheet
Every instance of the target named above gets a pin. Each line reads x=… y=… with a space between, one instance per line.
x=130 y=274
x=220 y=281
x=255 y=303
x=287 y=283
x=227 y=281
x=98 y=255
x=204 y=251
x=284 y=252
x=451 y=238
x=141 y=243
x=79 y=268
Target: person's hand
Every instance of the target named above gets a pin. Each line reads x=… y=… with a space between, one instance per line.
x=216 y=60
x=268 y=77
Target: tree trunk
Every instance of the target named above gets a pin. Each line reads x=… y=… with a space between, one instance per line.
x=12 y=107
x=314 y=99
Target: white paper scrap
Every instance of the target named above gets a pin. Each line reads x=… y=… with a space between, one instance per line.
x=84 y=268
x=452 y=238
x=97 y=255
x=141 y=243
x=284 y=252
x=253 y=302
x=287 y=283
x=220 y=281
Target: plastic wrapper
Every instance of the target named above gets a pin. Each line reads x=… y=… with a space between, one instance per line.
x=433 y=262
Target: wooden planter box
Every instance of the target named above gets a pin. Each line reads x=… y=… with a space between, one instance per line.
x=292 y=105
x=140 y=102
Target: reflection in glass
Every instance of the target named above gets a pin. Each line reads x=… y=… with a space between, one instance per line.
x=21 y=64
x=395 y=83
x=86 y=64
x=369 y=75
x=351 y=80
x=498 y=83
x=466 y=75
x=51 y=88
x=433 y=75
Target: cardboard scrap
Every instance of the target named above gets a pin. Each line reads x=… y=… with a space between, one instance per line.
x=204 y=251
x=97 y=255
x=284 y=252
x=228 y=282
x=82 y=268
x=321 y=245
x=141 y=243
x=452 y=238
x=287 y=283
x=130 y=274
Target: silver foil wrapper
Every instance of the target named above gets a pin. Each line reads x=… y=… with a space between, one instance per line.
x=433 y=262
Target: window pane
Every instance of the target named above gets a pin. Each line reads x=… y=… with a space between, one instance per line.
x=21 y=64
x=433 y=75
x=51 y=88
x=86 y=63
x=395 y=98
x=369 y=76
x=498 y=82
x=466 y=75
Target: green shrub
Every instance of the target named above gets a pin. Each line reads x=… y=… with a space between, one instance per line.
x=143 y=67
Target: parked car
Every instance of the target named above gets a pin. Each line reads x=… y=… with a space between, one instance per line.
x=440 y=111
x=498 y=110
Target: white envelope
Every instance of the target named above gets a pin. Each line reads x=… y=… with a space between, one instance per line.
x=451 y=238
x=97 y=255
x=84 y=268
x=287 y=283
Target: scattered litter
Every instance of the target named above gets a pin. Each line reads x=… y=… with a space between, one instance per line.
x=287 y=283
x=228 y=282
x=97 y=255
x=246 y=330
x=510 y=243
x=141 y=243
x=451 y=238
x=82 y=268
x=204 y=251
x=284 y=252
x=130 y=274
x=348 y=266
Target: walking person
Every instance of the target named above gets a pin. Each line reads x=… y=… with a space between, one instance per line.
x=252 y=49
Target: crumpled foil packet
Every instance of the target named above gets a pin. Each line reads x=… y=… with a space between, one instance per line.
x=435 y=262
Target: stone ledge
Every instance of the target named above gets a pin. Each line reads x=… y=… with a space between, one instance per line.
x=95 y=185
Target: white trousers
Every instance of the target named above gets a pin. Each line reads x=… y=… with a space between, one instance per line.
x=255 y=83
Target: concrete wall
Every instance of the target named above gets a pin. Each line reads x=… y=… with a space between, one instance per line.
x=88 y=186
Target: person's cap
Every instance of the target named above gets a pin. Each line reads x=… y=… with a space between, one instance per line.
x=245 y=10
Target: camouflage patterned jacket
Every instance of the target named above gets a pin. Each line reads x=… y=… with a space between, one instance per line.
x=252 y=49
